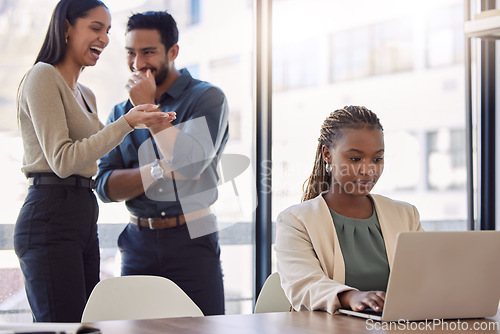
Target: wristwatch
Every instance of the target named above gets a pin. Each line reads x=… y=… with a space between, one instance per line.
x=157 y=171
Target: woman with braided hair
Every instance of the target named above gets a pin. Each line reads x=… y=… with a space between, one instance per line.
x=335 y=248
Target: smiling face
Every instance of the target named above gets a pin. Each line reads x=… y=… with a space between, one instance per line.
x=145 y=50
x=88 y=37
x=357 y=161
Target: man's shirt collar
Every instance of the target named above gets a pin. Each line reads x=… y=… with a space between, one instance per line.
x=179 y=85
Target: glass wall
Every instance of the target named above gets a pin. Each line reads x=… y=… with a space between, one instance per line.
x=404 y=61
x=211 y=52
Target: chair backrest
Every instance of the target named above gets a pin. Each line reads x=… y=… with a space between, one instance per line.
x=272 y=297
x=138 y=297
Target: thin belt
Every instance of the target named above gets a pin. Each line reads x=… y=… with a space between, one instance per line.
x=52 y=179
x=169 y=222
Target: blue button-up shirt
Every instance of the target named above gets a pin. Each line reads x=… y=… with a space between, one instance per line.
x=202 y=118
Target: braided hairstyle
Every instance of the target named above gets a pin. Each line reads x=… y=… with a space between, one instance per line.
x=350 y=117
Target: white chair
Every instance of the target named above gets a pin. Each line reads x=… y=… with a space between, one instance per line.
x=138 y=297
x=272 y=297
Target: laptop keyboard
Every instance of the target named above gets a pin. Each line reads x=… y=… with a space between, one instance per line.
x=371 y=312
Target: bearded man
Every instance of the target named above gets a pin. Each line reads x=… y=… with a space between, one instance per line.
x=168 y=186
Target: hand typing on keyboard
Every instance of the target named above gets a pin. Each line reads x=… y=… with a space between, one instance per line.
x=360 y=300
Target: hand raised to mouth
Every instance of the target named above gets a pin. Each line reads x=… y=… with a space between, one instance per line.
x=141 y=87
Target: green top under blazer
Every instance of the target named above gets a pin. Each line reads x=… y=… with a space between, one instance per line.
x=363 y=249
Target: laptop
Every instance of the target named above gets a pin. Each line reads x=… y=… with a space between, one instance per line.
x=442 y=275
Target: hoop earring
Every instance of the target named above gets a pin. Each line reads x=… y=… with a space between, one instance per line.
x=328 y=168
x=66 y=40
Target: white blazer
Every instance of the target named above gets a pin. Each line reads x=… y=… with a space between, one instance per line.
x=309 y=258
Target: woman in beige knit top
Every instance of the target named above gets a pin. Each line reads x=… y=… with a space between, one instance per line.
x=55 y=236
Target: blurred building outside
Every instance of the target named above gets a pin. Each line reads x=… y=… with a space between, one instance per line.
x=404 y=61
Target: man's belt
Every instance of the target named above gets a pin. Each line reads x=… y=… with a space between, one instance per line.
x=169 y=222
x=52 y=179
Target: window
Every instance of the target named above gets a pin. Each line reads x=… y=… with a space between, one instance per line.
x=319 y=48
x=228 y=67
x=393 y=46
x=296 y=65
x=222 y=73
x=377 y=49
x=351 y=54
x=446 y=159
x=376 y=58
x=402 y=171
x=195 y=12
x=445 y=38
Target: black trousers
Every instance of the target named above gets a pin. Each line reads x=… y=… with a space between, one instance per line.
x=193 y=264
x=55 y=239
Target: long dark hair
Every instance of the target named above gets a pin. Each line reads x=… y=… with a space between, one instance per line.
x=349 y=117
x=54 y=45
